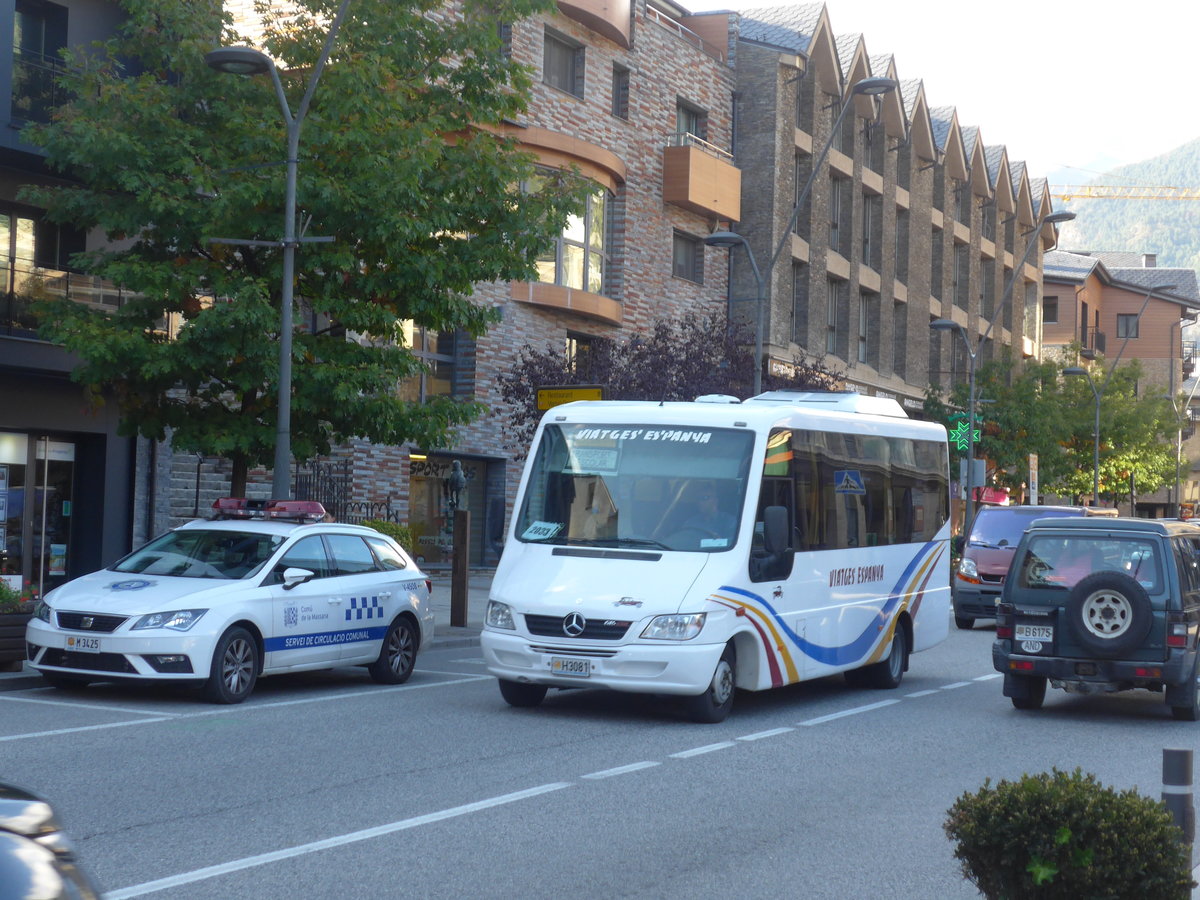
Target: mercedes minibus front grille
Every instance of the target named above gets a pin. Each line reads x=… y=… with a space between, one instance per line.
x=593 y=629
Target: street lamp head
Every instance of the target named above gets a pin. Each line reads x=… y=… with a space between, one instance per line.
x=874 y=86
x=1077 y=370
x=1162 y=287
x=724 y=239
x=239 y=61
x=1058 y=218
x=945 y=325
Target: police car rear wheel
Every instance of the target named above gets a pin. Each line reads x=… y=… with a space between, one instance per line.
x=398 y=654
x=234 y=668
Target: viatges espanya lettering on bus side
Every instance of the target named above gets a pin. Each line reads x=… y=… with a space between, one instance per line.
x=855 y=575
x=643 y=434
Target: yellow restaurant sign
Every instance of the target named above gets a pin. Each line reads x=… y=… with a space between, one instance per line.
x=554 y=396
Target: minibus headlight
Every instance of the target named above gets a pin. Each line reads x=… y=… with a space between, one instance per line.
x=967 y=569
x=674 y=628
x=499 y=615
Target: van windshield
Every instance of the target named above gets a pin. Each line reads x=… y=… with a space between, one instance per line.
x=641 y=486
x=1003 y=526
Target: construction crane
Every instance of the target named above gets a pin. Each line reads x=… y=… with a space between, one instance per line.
x=1122 y=192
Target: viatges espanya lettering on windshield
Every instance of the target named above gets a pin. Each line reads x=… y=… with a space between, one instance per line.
x=643 y=434
x=855 y=575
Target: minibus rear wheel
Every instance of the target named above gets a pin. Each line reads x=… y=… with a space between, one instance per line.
x=517 y=693
x=715 y=703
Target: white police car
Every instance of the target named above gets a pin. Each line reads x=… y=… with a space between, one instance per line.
x=262 y=588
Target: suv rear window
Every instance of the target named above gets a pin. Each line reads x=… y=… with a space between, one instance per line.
x=1056 y=561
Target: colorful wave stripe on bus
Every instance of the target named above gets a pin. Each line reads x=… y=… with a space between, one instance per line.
x=772 y=630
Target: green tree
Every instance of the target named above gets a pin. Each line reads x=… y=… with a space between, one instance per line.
x=675 y=360
x=400 y=163
x=1030 y=407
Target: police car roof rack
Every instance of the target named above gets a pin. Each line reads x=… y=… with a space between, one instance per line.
x=304 y=511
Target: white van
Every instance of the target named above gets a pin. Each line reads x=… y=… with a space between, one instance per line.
x=691 y=548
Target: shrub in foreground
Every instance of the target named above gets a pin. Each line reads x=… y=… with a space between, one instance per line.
x=1060 y=835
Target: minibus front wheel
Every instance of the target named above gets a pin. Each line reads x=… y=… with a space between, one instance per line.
x=715 y=703
x=519 y=693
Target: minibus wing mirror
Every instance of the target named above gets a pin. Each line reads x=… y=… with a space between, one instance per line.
x=775 y=530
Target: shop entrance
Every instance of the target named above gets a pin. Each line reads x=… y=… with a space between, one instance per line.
x=37 y=483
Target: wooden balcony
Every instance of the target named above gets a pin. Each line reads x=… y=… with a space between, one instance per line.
x=702 y=178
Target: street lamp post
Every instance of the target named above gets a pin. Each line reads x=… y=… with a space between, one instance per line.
x=731 y=239
x=868 y=87
x=973 y=354
x=1097 y=393
x=248 y=61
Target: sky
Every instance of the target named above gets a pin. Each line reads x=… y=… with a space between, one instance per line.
x=1072 y=88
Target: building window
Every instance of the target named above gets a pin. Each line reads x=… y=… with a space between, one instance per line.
x=835 y=110
x=864 y=313
x=690 y=120
x=1050 y=310
x=837 y=214
x=504 y=32
x=39 y=33
x=1127 y=325
x=962 y=275
x=578 y=257
x=562 y=63
x=800 y=304
x=580 y=353
x=833 y=301
x=901 y=245
x=620 y=92
x=436 y=350
x=688 y=258
x=937 y=245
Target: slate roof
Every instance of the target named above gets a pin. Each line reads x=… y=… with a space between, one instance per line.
x=846 y=45
x=1016 y=168
x=970 y=136
x=880 y=63
x=1063 y=265
x=993 y=155
x=942 y=117
x=909 y=88
x=1144 y=279
x=790 y=27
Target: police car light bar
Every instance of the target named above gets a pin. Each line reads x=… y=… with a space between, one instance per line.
x=279 y=510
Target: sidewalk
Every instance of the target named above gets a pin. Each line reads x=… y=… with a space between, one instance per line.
x=445 y=635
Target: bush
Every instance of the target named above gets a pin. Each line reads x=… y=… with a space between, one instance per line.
x=1056 y=835
x=401 y=534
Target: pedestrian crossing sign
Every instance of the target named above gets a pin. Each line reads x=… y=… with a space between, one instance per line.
x=848 y=481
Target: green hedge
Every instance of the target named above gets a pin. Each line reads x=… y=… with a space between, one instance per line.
x=1059 y=835
x=401 y=534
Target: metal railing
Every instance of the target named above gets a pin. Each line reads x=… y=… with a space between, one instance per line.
x=22 y=284
x=687 y=139
x=684 y=32
x=35 y=90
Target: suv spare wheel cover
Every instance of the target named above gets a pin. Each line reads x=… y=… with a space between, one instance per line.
x=1109 y=613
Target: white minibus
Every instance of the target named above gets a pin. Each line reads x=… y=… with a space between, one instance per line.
x=693 y=548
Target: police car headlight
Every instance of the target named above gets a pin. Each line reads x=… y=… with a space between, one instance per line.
x=41 y=610
x=177 y=619
x=499 y=615
x=674 y=628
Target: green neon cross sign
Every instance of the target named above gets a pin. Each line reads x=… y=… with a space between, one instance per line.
x=960 y=435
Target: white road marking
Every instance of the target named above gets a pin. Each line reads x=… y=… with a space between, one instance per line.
x=707 y=748
x=622 y=770
x=919 y=694
x=79 y=704
x=957 y=684
x=764 y=734
x=988 y=677
x=174 y=881
x=821 y=720
x=157 y=716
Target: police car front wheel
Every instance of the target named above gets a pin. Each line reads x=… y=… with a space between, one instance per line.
x=398 y=654
x=234 y=668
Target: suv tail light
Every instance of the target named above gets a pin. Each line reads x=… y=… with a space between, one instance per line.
x=1177 y=630
x=1004 y=628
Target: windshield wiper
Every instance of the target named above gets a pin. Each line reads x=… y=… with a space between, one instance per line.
x=618 y=542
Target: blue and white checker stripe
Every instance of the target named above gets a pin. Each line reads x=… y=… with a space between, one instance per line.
x=364 y=608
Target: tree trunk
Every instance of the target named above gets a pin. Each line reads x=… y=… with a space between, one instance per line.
x=237 y=480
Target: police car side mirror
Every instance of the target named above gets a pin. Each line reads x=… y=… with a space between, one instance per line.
x=293 y=577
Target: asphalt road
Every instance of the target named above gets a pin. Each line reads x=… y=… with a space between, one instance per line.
x=327 y=785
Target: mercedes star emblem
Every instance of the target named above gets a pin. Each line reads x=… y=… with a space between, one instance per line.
x=574 y=624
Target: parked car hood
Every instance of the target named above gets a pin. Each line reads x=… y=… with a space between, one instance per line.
x=121 y=593
x=993 y=560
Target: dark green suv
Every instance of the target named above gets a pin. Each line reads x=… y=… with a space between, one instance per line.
x=1102 y=605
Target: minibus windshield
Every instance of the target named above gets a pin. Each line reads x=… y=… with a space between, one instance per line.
x=664 y=487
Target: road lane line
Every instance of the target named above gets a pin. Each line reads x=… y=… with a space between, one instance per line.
x=821 y=720
x=988 y=677
x=42 y=734
x=622 y=770
x=77 y=704
x=174 y=881
x=707 y=748
x=758 y=736
x=953 y=686
x=916 y=694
